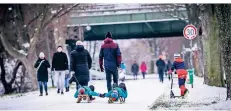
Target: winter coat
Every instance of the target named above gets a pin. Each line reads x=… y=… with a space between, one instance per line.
x=42 y=73
x=143 y=67
x=110 y=53
x=135 y=68
x=121 y=92
x=59 y=61
x=179 y=66
x=81 y=63
x=161 y=64
x=122 y=66
x=88 y=92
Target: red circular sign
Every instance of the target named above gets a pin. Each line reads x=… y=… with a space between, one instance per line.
x=190 y=32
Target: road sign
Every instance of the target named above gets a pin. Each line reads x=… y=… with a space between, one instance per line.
x=190 y=32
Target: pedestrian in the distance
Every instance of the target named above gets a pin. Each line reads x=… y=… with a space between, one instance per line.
x=169 y=66
x=42 y=66
x=60 y=68
x=143 y=69
x=160 y=63
x=135 y=69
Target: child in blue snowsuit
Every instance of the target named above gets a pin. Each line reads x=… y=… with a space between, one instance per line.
x=87 y=90
x=118 y=92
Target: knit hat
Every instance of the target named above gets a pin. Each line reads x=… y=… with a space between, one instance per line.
x=41 y=54
x=108 y=35
x=79 y=42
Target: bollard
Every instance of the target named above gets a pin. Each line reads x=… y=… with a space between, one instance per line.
x=190 y=74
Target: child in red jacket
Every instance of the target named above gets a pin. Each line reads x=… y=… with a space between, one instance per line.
x=179 y=66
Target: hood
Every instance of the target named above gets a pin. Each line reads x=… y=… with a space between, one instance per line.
x=179 y=60
x=79 y=48
x=108 y=40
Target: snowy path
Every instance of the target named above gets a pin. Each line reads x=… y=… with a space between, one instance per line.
x=137 y=100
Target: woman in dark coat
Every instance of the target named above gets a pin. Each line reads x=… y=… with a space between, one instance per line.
x=81 y=63
x=42 y=74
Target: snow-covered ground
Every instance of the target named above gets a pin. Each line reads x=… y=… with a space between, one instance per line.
x=201 y=97
x=141 y=94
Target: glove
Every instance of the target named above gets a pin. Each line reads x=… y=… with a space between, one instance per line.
x=101 y=68
x=102 y=95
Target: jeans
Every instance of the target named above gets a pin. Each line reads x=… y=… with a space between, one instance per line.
x=41 y=84
x=60 y=79
x=109 y=74
x=67 y=78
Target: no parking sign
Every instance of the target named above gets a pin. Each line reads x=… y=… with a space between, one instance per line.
x=190 y=32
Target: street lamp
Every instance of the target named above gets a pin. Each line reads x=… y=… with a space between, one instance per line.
x=88 y=27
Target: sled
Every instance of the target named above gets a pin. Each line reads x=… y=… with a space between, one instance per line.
x=121 y=100
x=83 y=97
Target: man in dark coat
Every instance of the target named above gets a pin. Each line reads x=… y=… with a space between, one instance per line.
x=110 y=53
x=161 y=68
x=81 y=63
x=135 y=69
x=42 y=74
x=60 y=67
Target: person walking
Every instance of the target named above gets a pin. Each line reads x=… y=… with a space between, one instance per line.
x=143 y=68
x=81 y=62
x=111 y=55
x=42 y=66
x=169 y=66
x=60 y=68
x=135 y=69
x=161 y=68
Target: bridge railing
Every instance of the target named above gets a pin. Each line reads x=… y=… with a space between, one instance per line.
x=112 y=11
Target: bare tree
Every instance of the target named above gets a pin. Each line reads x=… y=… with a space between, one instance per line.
x=223 y=14
x=27 y=22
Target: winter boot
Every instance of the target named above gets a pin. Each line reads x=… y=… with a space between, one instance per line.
x=58 y=91
x=91 y=98
x=62 y=93
x=46 y=93
x=41 y=94
x=186 y=92
x=67 y=89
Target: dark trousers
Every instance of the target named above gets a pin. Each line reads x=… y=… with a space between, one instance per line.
x=41 y=84
x=161 y=74
x=109 y=75
x=181 y=82
x=143 y=73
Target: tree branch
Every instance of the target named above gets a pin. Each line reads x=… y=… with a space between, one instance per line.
x=59 y=12
x=9 y=48
x=31 y=21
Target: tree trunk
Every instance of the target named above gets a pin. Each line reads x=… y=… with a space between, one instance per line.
x=94 y=50
x=223 y=14
x=8 y=85
x=211 y=47
x=90 y=47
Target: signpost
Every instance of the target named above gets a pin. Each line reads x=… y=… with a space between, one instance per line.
x=190 y=32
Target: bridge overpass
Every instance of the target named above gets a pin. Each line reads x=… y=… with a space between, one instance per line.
x=127 y=23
